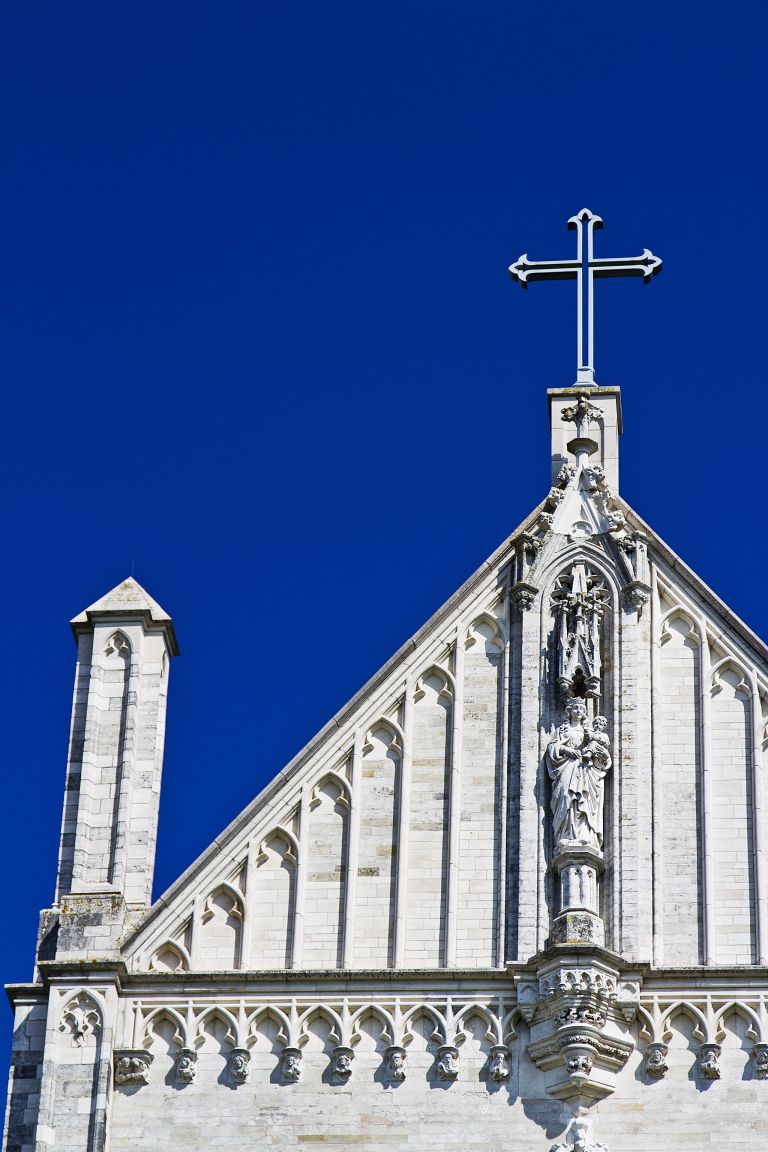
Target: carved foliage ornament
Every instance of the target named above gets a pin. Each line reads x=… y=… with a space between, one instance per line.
x=81 y=1018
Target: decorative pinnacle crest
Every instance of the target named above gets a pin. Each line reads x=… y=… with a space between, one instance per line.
x=583 y=270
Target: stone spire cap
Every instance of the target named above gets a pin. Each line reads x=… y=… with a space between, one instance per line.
x=128 y=598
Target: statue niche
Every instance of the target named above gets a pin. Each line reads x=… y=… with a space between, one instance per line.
x=577 y=762
x=579 y=602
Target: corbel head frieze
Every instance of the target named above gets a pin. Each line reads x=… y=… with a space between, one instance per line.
x=132 y=1066
x=579 y=1137
x=186 y=1066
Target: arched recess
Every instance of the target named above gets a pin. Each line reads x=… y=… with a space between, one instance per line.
x=555 y=580
x=380 y=781
x=113 y=670
x=423 y=1034
x=272 y=902
x=480 y=815
x=683 y=1029
x=372 y=1028
x=171 y=956
x=733 y=832
x=164 y=1036
x=268 y=1033
x=480 y=1033
x=679 y=772
x=215 y=1037
x=81 y=1020
x=220 y=929
x=428 y=833
x=326 y=849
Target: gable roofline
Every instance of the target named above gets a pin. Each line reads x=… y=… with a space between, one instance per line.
x=502 y=553
x=710 y=598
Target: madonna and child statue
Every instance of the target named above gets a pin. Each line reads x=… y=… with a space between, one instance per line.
x=577 y=762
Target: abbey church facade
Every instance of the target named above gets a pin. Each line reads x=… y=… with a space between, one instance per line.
x=512 y=896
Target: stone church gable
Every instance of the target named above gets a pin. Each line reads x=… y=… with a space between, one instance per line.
x=514 y=892
x=306 y=877
x=380 y=847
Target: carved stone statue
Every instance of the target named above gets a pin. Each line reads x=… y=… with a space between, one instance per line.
x=760 y=1057
x=655 y=1060
x=579 y=1138
x=239 y=1065
x=341 y=1065
x=291 y=1065
x=577 y=761
x=499 y=1066
x=132 y=1067
x=186 y=1066
x=709 y=1061
x=395 y=1066
x=448 y=1066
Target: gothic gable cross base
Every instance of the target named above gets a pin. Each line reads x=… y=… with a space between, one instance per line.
x=584 y=269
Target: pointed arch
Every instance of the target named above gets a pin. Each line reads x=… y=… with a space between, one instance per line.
x=747 y=1014
x=323 y=1012
x=739 y=679
x=181 y=1038
x=678 y=613
x=498 y=633
x=378 y=796
x=680 y=666
x=732 y=758
x=578 y=551
x=217 y=1012
x=220 y=927
x=683 y=1008
x=279 y=832
x=326 y=839
x=224 y=886
x=432 y=710
x=494 y=1026
x=437 y=1017
x=331 y=776
x=174 y=948
x=118 y=645
x=269 y=1012
x=391 y=729
x=378 y=1012
x=81 y=1017
x=443 y=676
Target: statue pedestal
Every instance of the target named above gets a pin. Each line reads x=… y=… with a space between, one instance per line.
x=578 y=869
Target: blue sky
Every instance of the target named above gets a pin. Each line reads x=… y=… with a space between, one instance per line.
x=259 y=341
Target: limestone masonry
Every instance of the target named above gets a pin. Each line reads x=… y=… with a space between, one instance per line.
x=513 y=896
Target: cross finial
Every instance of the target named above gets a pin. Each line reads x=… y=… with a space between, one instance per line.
x=584 y=269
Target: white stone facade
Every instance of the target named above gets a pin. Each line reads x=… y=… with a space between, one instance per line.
x=513 y=895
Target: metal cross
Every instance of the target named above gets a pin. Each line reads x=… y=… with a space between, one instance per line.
x=583 y=270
